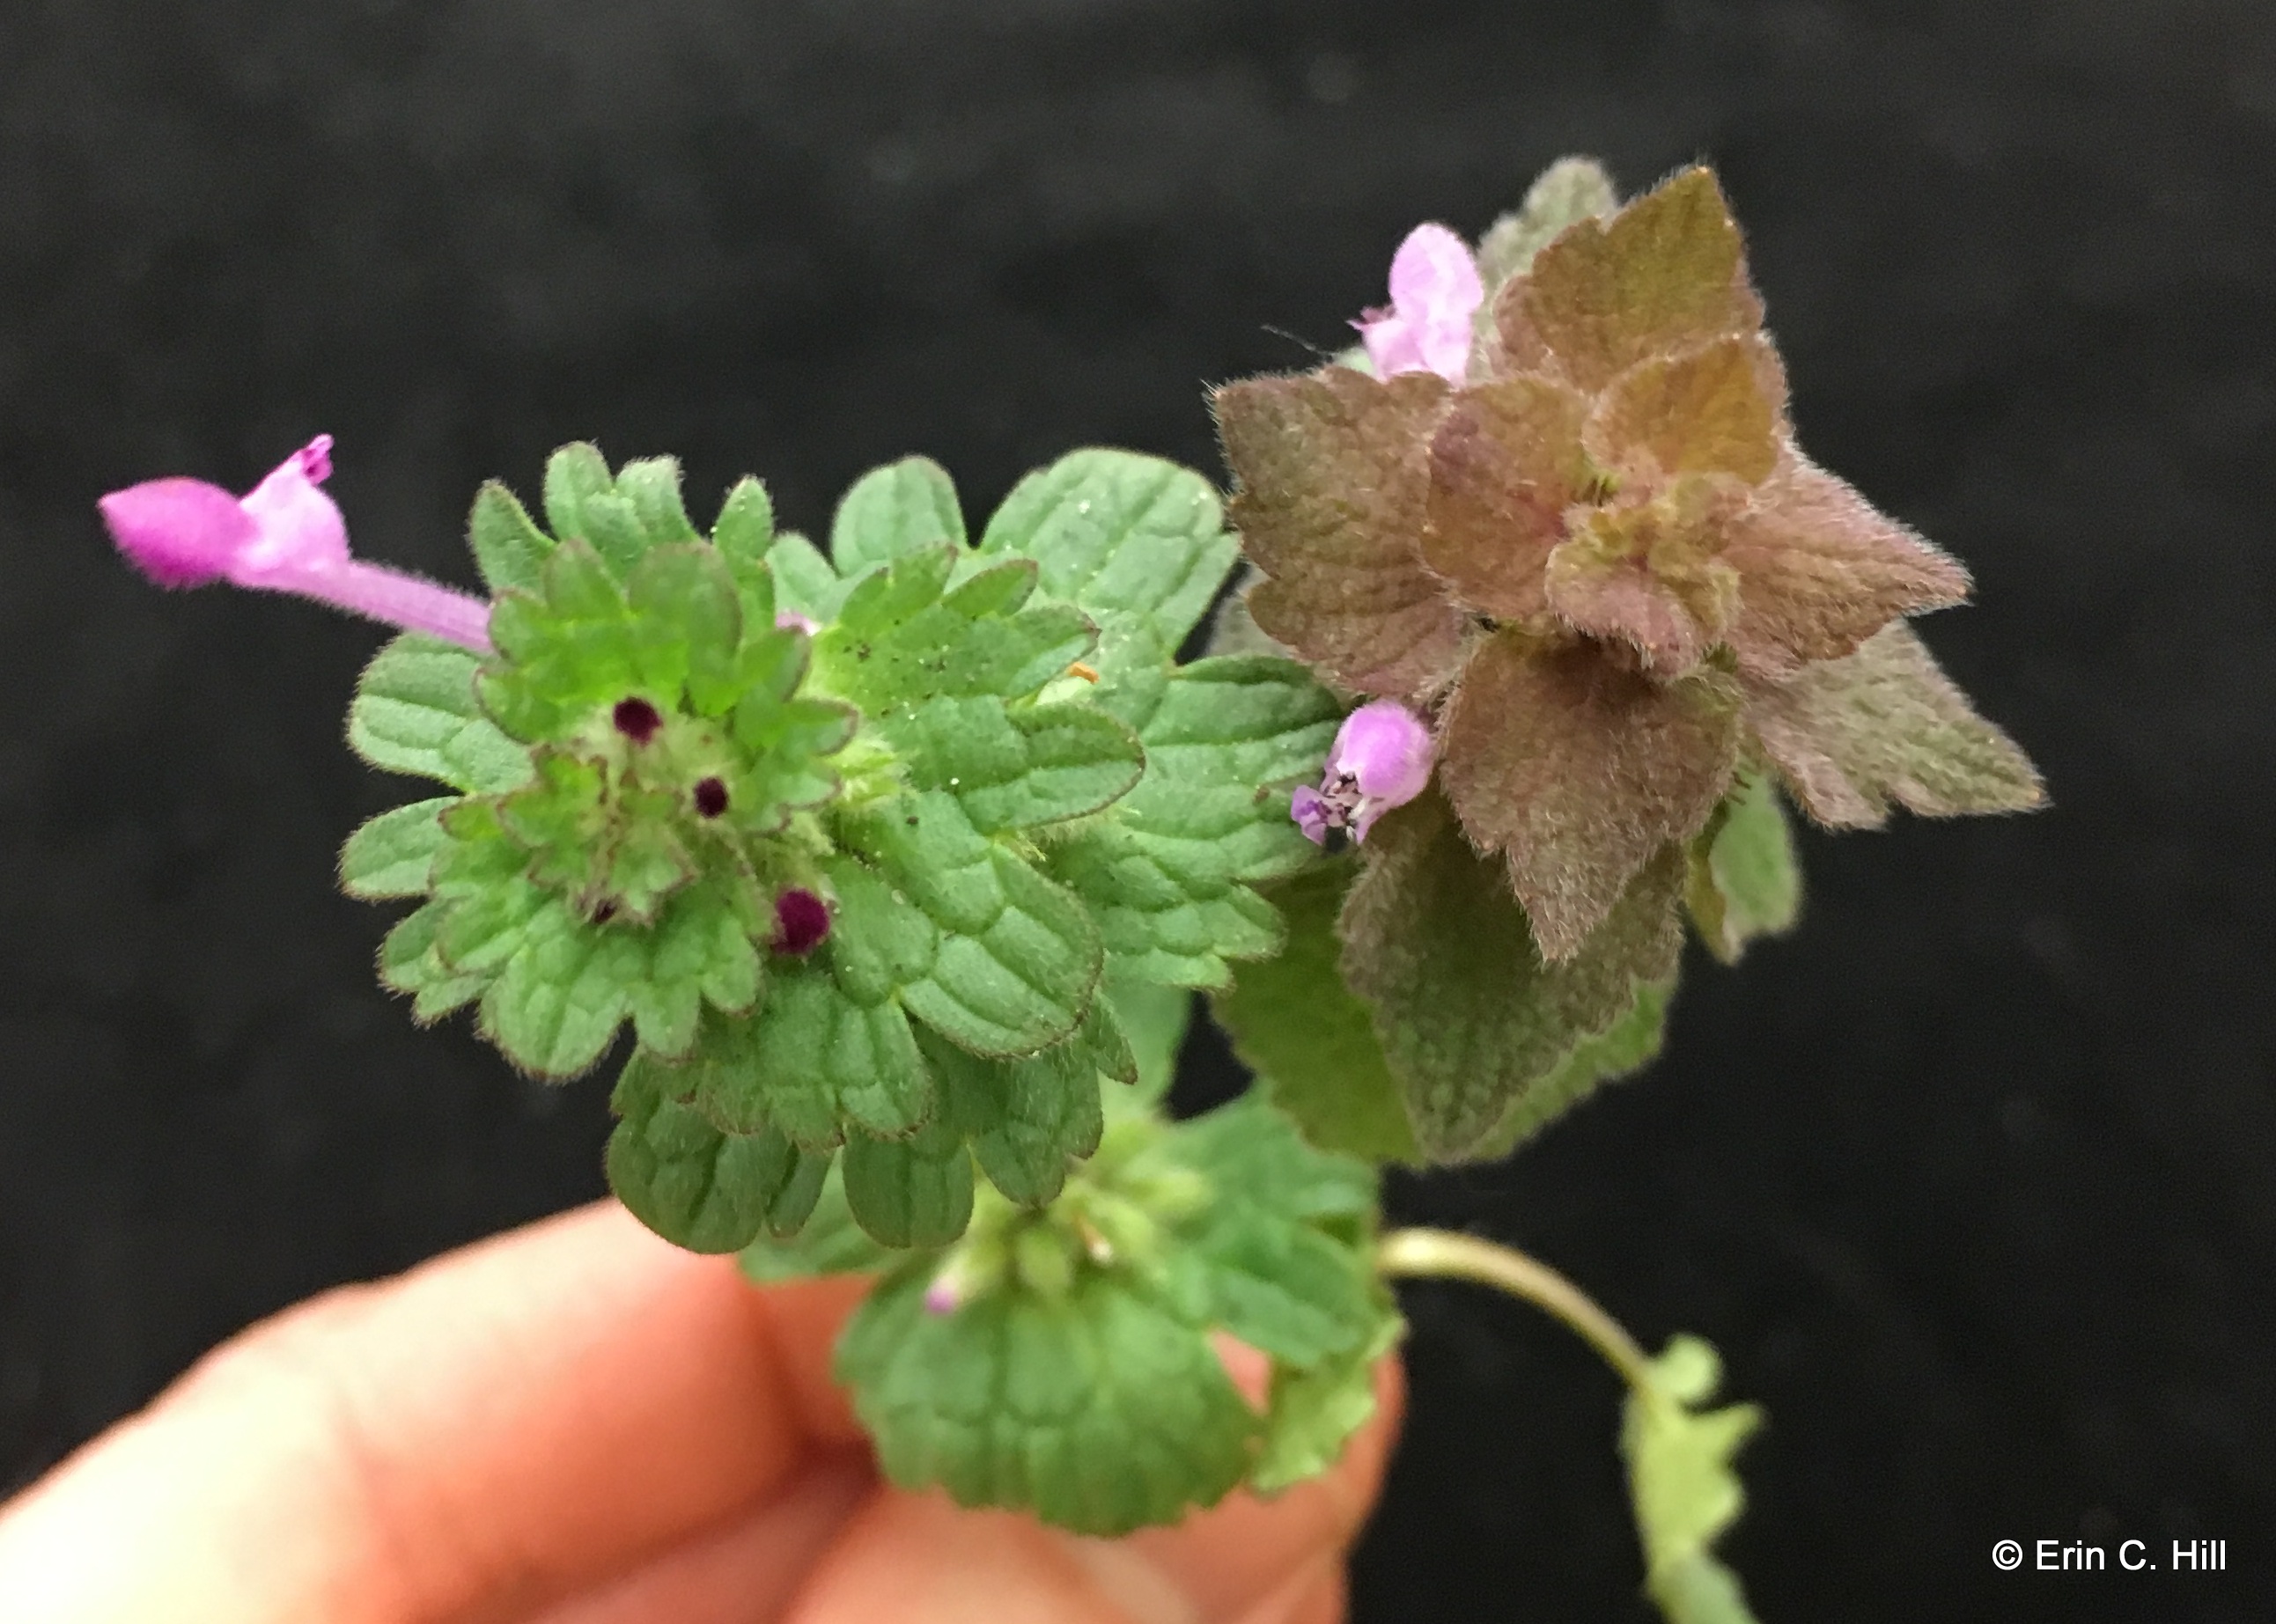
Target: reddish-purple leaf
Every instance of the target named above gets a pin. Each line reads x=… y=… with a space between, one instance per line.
x=1331 y=469
x=1505 y=467
x=1820 y=569
x=1578 y=770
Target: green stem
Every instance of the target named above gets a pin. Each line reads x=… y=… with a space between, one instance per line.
x=1440 y=1254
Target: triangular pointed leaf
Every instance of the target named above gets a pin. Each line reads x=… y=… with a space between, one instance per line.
x=1886 y=724
x=1820 y=569
x=1579 y=771
x=1627 y=1045
x=1666 y=274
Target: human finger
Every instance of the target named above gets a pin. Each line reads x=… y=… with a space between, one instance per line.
x=504 y=1426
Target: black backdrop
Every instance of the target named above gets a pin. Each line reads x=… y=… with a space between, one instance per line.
x=1974 y=1179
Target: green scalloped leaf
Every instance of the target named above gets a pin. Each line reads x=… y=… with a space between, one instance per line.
x=915 y=1191
x=555 y=986
x=694 y=1185
x=415 y=712
x=1680 y=1478
x=409 y=963
x=1102 y=1411
x=1136 y=543
x=1076 y=1375
x=830 y=1243
x=393 y=855
x=892 y=512
x=1030 y=1120
x=1017 y=768
x=1017 y=957
x=1312 y=1413
x=1170 y=871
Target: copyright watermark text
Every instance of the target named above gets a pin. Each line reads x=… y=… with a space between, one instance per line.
x=2133 y=1556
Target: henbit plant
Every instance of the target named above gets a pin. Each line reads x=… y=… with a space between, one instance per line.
x=904 y=861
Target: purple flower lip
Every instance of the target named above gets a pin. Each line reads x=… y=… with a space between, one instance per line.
x=1435 y=295
x=283 y=535
x=711 y=798
x=1381 y=760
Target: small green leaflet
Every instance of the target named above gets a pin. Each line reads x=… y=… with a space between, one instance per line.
x=414 y=712
x=906 y=636
x=1680 y=1478
x=393 y=855
x=830 y=1243
x=1744 y=882
x=891 y=511
x=1308 y=1039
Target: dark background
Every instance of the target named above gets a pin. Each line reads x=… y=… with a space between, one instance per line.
x=1973 y=1180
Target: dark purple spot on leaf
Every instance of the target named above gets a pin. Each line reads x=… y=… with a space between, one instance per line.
x=711 y=798
x=637 y=719
x=605 y=912
x=802 y=920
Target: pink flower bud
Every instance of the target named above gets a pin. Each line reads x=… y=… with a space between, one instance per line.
x=285 y=535
x=1381 y=760
x=1435 y=295
x=801 y=921
x=791 y=620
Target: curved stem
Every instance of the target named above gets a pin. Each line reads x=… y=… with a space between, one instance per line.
x=1440 y=1254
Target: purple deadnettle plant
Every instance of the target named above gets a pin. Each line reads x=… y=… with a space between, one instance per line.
x=905 y=859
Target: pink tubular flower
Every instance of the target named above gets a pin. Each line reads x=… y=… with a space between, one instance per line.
x=285 y=535
x=1435 y=295
x=1381 y=760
